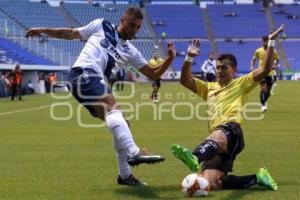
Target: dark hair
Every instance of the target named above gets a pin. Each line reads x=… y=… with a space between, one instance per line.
x=133 y=11
x=17 y=66
x=229 y=57
x=265 y=38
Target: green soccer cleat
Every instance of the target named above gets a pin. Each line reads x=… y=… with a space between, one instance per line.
x=186 y=156
x=264 y=179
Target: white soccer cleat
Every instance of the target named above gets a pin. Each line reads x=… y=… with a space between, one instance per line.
x=264 y=108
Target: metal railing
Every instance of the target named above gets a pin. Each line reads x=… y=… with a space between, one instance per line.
x=16 y=34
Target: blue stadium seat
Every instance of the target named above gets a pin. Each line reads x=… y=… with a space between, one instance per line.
x=85 y=13
x=32 y=14
x=281 y=16
x=179 y=24
x=18 y=54
x=249 y=22
x=292 y=49
x=145 y=47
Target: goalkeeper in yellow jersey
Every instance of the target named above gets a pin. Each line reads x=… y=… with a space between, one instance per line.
x=225 y=99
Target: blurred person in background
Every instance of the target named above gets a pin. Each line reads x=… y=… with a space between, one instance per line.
x=16 y=83
x=209 y=68
x=154 y=62
x=267 y=83
x=121 y=73
x=52 y=81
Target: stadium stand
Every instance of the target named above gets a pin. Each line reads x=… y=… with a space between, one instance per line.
x=16 y=19
x=13 y=53
x=292 y=49
x=32 y=14
x=290 y=16
x=10 y=27
x=146 y=47
x=69 y=48
x=15 y=34
x=249 y=21
x=177 y=23
x=85 y=13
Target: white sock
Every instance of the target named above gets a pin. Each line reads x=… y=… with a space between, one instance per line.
x=124 y=168
x=121 y=132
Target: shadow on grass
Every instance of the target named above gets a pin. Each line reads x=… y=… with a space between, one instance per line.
x=239 y=194
x=151 y=192
x=148 y=192
x=288 y=183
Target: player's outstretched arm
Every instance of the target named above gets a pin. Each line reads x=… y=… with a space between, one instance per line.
x=260 y=73
x=61 y=33
x=186 y=78
x=155 y=73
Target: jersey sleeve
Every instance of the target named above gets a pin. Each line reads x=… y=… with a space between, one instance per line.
x=247 y=83
x=138 y=61
x=202 y=88
x=87 y=30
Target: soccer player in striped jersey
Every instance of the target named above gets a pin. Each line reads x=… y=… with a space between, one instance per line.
x=108 y=46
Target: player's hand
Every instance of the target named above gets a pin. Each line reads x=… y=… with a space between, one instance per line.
x=33 y=32
x=274 y=34
x=171 y=49
x=193 y=49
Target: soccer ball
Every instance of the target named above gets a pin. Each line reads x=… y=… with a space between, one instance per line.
x=195 y=185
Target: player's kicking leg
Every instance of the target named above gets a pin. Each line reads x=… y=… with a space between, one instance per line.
x=186 y=156
x=87 y=87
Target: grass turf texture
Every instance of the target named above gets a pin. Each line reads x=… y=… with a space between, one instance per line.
x=41 y=158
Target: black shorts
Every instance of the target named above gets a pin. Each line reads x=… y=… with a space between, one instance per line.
x=268 y=80
x=156 y=83
x=235 y=140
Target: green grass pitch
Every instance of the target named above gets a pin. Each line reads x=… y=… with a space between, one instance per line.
x=46 y=159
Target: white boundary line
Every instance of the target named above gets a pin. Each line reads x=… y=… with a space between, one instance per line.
x=46 y=106
x=25 y=110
